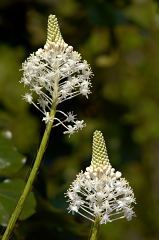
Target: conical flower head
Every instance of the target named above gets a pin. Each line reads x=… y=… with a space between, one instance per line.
x=55 y=74
x=53 y=32
x=100 y=192
x=99 y=151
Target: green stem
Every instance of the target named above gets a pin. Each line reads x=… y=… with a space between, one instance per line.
x=30 y=181
x=95 y=230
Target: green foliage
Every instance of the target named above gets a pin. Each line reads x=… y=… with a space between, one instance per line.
x=11 y=162
x=10 y=191
x=14 y=112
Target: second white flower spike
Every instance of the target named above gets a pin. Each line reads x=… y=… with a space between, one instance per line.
x=100 y=192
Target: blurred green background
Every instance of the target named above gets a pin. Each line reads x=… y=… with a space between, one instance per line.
x=120 y=40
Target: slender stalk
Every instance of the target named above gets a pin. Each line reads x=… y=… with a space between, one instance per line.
x=30 y=181
x=95 y=230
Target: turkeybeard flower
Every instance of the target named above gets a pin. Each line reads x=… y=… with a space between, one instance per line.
x=100 y=192
x=55 y=74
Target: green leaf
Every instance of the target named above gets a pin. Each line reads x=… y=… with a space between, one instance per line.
x=10 y=192
x=10 y=159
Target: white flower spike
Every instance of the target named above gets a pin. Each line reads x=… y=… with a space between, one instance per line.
x=55 y=74
x=100 y=192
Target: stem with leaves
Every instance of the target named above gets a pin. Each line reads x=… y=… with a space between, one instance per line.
x=32 y=176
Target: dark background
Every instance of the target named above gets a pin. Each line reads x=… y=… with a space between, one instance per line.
x=120 y=40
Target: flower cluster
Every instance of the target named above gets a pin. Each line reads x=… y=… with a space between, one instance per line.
x=100 y=192
x=55 y=74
